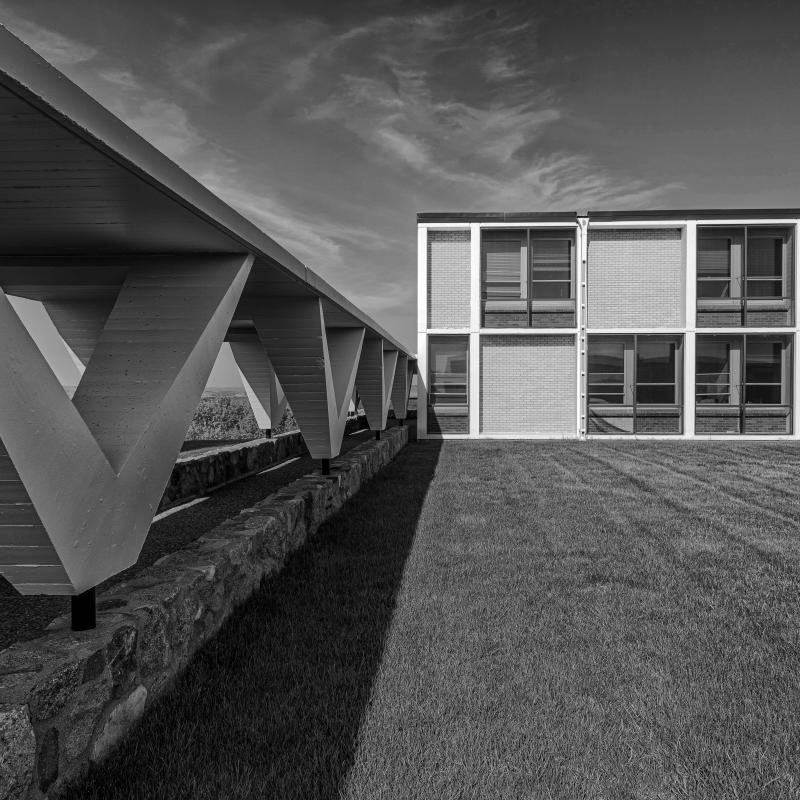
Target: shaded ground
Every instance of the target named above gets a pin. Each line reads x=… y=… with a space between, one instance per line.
x=272 y=706
x=23 y=618
x=575 y=620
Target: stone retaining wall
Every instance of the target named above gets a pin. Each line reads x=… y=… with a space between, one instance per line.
x=196 y=476
x=67 y=698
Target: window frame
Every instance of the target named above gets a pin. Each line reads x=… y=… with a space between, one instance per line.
x=630 y=343
x=737 y=373
x=740 y=280
x=431 y=394
x=528 y=303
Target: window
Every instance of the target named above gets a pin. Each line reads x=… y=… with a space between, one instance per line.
x=505 y=270
x=528 y=277
x=744 y=276
x=551 y=269
x=634 y=384
x=763 y=367
x=743 y=384
x=715 y=267
x=713 y=375
x=765 y=265
x=656 y=378
x=447 y=385
x=607 y=372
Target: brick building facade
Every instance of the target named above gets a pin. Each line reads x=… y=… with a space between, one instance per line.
x=597 y=324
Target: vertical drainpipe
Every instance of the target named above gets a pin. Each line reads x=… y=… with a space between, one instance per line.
x=581 y=312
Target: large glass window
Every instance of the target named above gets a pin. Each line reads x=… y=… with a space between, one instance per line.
x=656 y=379
x=743 y=384
x=528 y=278
x=551 y=269
x=607 y=372
x=634 y=384
x=713 y=374
x=448 y=371
x=763 y=372
x=448 y=384
x=714 y=266
x=744 y=276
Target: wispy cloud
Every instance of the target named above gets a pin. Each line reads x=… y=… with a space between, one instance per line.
x=195 y=65
x=479 y=137
x=59 y=50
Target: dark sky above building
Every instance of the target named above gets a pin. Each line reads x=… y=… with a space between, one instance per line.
x=330 y=124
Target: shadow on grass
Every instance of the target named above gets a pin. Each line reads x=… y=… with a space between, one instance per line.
x=272 y=706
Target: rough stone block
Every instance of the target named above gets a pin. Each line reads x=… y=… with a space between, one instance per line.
x=17 y=751
x=119 y=721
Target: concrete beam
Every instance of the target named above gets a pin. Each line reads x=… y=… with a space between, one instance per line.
x=80 y=480
x=315 y=366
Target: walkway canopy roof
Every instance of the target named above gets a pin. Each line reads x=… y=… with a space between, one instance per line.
x=79 y=189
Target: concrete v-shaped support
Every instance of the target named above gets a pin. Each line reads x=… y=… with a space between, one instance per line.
x=264 y=391
x=374 y=381
x=315 y=366
x=401 y=388
x=80 y=322
x=81 y=480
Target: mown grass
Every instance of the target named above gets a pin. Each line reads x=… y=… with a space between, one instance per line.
x=575 y=620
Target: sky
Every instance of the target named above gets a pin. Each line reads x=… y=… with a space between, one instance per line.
x=331 y=124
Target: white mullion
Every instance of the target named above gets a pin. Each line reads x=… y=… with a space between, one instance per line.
x=475 y=277
x=795 y=342
x=474 y=384
x=422 y=332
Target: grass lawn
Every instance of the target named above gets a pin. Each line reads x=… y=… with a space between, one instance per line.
x=548 y=620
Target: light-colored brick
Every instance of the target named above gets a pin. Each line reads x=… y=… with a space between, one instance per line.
x=448 y=279
x=528 y=385
x=635 y=278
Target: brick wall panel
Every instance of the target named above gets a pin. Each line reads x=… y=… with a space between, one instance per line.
x=528 y=385
x=635 y=278
x=448 y=279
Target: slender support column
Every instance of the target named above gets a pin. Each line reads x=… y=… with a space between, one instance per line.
x=87 y=474
x=325 y=465
x=84 y=611
x=315 y=366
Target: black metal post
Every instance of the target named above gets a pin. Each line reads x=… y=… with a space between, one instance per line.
x=377 y=434
x=401 y=421
x=268 y=433
x=326 y=466
x=84 y=611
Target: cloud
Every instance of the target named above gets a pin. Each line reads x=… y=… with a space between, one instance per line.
x=459 y=106
x=59 y=50
x=195 y=65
